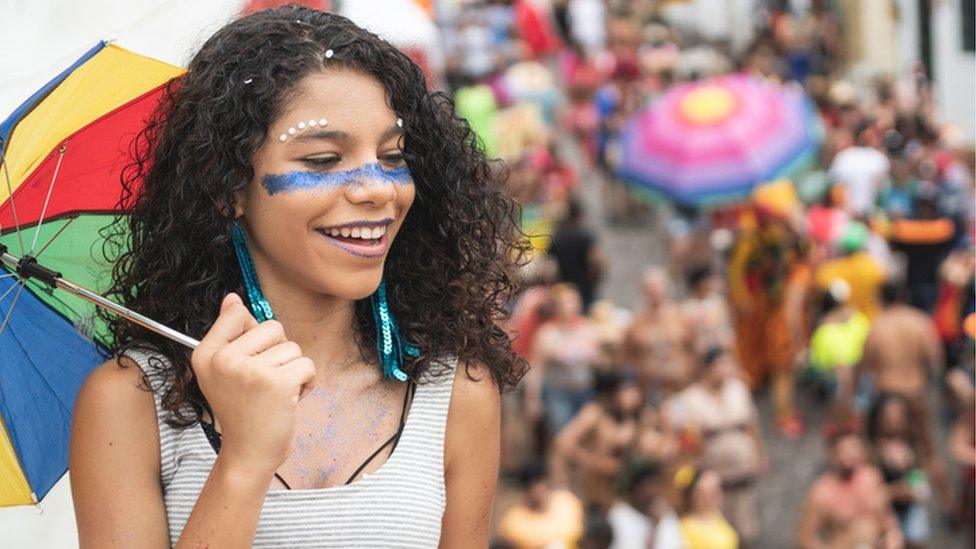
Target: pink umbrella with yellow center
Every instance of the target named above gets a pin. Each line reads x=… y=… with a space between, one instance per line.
x=710 y=142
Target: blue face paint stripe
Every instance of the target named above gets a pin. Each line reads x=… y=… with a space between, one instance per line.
x=301 y=181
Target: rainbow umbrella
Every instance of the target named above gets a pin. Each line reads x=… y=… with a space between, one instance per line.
x=710 y=142
x=63 y=153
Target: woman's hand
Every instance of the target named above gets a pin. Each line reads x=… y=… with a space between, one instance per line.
x=252 y=377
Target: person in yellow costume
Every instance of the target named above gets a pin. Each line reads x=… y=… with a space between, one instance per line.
x=769 y=283
x=857 y=267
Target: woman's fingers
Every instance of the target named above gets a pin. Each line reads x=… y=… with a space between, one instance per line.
x=280 y=354
x=258 y=339
x=297 y=373
x=233 y=320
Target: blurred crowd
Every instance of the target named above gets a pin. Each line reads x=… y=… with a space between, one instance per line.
x=845 y=293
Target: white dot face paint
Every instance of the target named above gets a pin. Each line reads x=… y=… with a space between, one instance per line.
x=303 y=125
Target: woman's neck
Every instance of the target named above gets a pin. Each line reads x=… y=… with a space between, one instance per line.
x=322 y=325
x=705 y=513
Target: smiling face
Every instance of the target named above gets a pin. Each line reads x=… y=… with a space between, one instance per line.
x=330 y=188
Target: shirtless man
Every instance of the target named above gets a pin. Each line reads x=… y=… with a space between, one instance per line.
x=902 y=349
x=658 y=343
x=600 y=439
x=848 y=507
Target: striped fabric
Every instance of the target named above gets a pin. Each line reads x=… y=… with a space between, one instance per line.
x=399 y=505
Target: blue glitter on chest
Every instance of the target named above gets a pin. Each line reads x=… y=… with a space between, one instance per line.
x=305 y=181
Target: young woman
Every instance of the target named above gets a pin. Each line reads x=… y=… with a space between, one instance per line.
x=564 y=351
x=703 y=526
x=331 y=231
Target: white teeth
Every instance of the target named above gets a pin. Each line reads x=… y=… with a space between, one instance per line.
x=364 y=233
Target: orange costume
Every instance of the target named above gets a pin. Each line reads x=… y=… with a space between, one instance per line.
x=769 y=281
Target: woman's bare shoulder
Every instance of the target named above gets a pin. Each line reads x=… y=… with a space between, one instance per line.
x=116 y=384
x=474 y=388
x=475 y=403
x=114 y=457
x=472 y=450
x=113 y=404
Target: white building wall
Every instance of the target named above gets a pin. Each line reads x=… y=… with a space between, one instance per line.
x=954 y=70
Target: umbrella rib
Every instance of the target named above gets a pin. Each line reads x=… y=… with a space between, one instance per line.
x=10 y=311
x=5 y=294
x=65 y=409
x=10 y=197
x=47 y=199
x=53 y=238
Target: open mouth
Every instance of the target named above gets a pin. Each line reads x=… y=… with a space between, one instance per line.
x=361 y=238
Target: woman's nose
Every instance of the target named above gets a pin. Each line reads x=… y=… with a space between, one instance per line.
x=374 y=184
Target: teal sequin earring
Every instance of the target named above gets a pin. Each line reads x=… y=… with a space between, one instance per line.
x=390 y=345
x=259 y=304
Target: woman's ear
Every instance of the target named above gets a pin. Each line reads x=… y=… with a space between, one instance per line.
x=239 y=204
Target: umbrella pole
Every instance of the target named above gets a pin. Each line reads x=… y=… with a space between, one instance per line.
x=27 y=267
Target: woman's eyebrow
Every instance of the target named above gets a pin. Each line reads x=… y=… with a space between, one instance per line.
x=339 y=135
x=391 y=132
x=334 y=135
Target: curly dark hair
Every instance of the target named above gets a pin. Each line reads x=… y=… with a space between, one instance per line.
x=450 y=271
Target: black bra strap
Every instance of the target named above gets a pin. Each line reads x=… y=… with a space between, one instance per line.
x=394 y=439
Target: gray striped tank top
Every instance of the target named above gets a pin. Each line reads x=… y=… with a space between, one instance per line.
x=401 y=504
